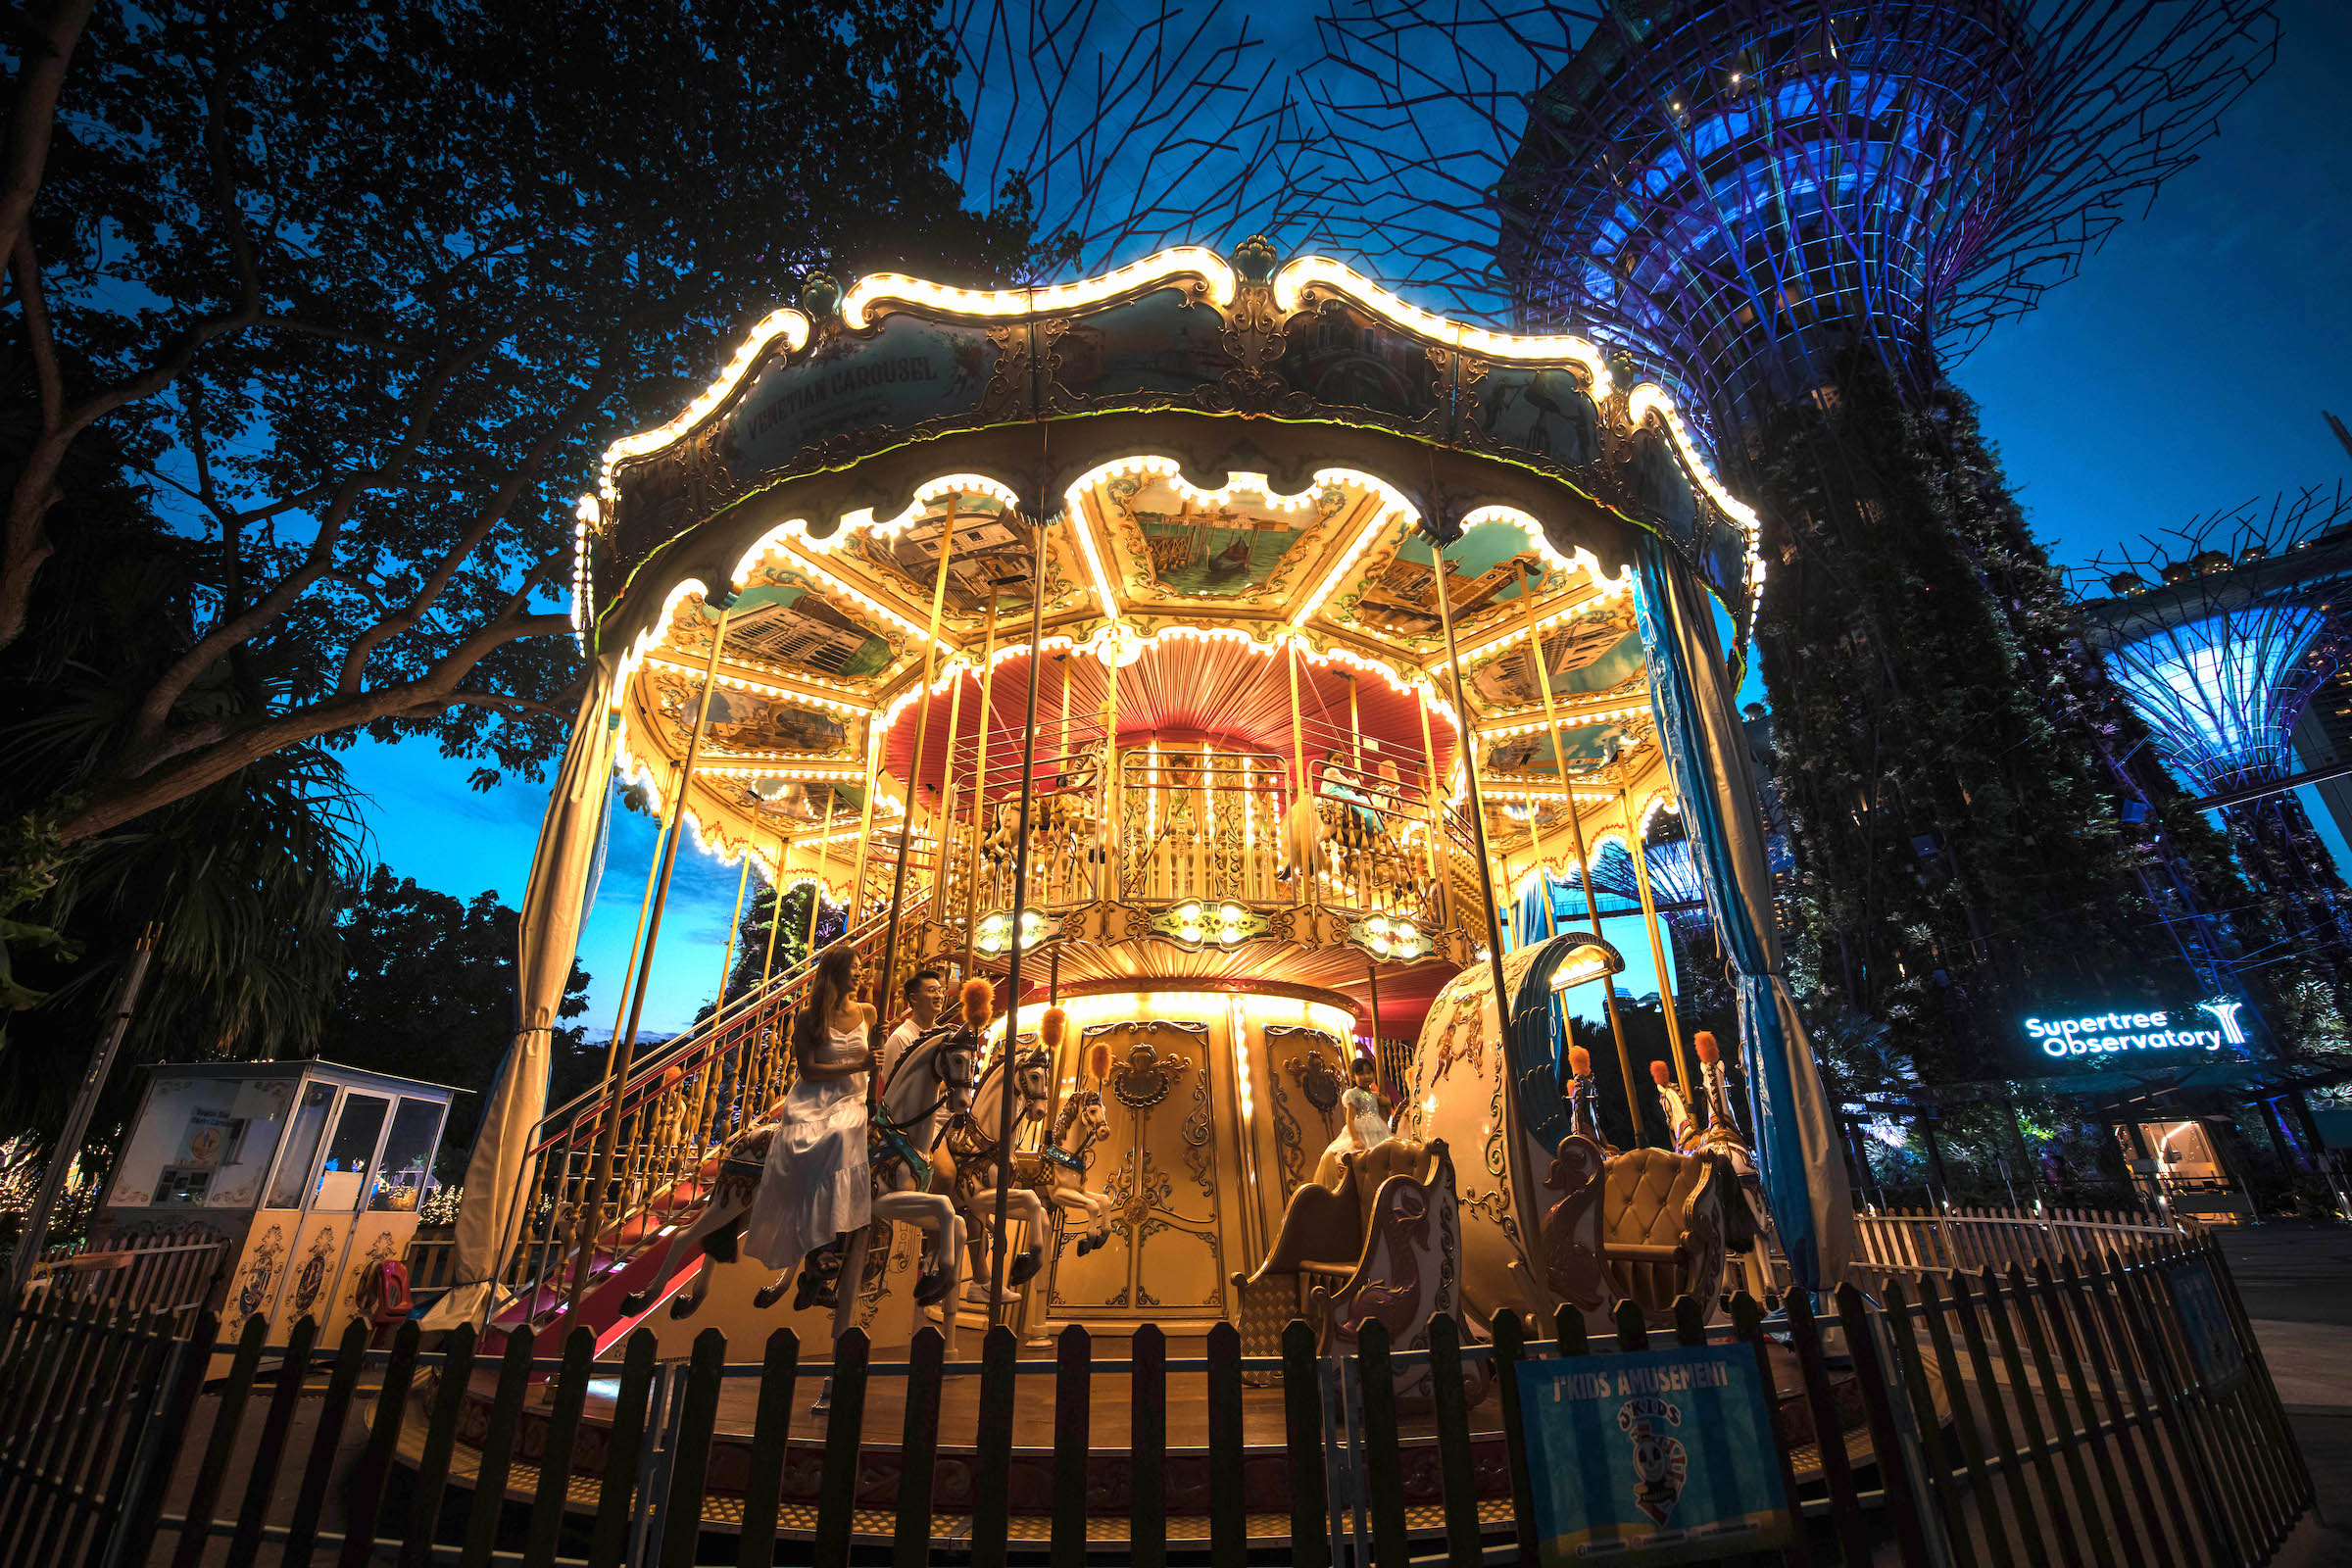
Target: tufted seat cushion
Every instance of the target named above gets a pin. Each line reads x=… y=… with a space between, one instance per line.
x=1651 y=1200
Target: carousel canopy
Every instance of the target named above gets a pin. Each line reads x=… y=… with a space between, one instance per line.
x=1238 y=467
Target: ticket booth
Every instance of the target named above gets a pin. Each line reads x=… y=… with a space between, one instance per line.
x=310 y=1173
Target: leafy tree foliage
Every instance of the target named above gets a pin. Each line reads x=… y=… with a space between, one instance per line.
x=366 y=288
x=1952 y=760
x=429 y=991
x=791 y=936
x=242 y=878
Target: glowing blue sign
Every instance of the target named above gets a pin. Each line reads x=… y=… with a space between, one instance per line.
x=2103 y=1033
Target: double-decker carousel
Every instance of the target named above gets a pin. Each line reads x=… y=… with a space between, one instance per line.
x=1206 y=655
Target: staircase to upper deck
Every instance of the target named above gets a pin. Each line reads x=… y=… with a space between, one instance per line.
x=679 y=1105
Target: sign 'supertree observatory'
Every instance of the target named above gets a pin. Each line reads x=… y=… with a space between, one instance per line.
x=1810 y=209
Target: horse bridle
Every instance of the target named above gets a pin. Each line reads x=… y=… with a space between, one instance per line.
x=956 y=1075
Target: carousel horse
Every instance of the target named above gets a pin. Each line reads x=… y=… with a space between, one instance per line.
x=933 y=1074
x=1043 y=1181
x=973 y=1152
x=1061 y=817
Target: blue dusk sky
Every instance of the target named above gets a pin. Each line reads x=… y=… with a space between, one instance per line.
x=2182 y=371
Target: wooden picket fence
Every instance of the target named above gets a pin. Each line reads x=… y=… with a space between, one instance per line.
x=169 y=1273
x=1916 y=1242
x=2064 y=1414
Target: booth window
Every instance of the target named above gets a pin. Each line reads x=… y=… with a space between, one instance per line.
x=201 y=1141
x=350 y=1154
x=301 y=1147
x=408 y=1155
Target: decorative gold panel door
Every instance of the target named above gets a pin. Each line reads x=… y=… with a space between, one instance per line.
x=1166 y=1259
x=1307 y=1071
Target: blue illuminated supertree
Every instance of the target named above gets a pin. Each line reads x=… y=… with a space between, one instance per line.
x=2219 y=635
x=1798 y=214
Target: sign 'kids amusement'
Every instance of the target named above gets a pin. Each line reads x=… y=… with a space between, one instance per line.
x=2101 y=1033
x=1654 y=1457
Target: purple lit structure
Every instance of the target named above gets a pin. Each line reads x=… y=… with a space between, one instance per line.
x=2220 y=652
x=1740 y=188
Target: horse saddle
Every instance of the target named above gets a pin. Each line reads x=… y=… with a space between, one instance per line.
x=886 y=1141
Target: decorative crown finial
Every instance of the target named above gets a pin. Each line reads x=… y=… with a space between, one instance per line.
x=820 y=296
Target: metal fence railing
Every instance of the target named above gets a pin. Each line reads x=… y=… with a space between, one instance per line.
x=1913 y=1242
x=2113 y=1410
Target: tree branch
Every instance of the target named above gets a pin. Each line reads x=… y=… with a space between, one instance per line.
x=486 y=522
x=36 y=332
x=48 y=52
x=25 y=547
x=205 y=753
x=424 y=404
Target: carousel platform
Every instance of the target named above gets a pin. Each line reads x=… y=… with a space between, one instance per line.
x=1267 y=1461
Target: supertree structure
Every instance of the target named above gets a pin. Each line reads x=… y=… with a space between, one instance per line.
x=2219 y=634
x=1812 y=208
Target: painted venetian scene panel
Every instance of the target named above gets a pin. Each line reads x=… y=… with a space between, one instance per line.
x=1395 y=594
x=1225 y=545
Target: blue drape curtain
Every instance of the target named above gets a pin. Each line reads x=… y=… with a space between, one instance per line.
x=1797 y=1152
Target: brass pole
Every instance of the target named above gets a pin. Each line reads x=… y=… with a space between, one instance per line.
x=775 y=909
x=816 y=894
x=764 y=1041
x=1114 y=794
x=1535 y=811
x=914 y=766
x=988 y=690
x=1441 y=892
x=1542 y=1282
x=1584 y=860
x=653 y=870
x=865 y=833
x=946 y=794
x=1657 y=949
x=998 y=1304
x=727 y=965
x=624 y=1055
x=1304 y=874
x=1478 y=808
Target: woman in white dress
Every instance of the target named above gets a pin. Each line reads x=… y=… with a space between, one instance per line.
x=1362 y=1124
x=815 y=1187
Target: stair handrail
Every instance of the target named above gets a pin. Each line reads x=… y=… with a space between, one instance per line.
x=697 y=1041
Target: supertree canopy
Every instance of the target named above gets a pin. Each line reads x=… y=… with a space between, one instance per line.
x=2219 y=635
x=1809 y=209
x=1744 y=189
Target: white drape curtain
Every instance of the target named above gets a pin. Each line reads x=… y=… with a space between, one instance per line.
x=563 y=873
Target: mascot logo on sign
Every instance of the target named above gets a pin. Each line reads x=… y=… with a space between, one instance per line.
x=1660 y=1463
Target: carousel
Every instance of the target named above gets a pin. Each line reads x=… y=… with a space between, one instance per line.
x=1205 y=657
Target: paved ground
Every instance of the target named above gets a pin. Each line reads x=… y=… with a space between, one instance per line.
x=2297 y=1282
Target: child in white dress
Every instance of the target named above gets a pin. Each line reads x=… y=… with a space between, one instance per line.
x=1362 y=1124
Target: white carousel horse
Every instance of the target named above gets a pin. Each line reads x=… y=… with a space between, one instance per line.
x=1048 y=1177
x=981 y=1169
x=934 y=1074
